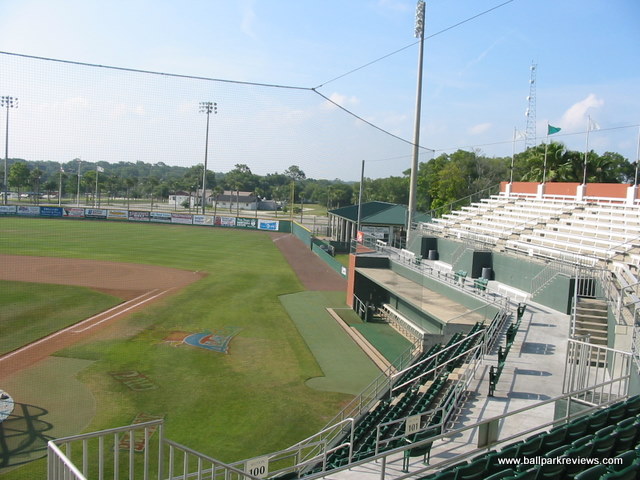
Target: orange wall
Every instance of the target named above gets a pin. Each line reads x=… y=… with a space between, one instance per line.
x=561 y=188
x=351 y=279
x=607 y=190
x=612 y=190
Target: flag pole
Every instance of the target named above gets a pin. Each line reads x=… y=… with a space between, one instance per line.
x=544 y=168
x=95 y=197
x=513 y=153
x=637 y=159
x=60 y=186
x=586 y=151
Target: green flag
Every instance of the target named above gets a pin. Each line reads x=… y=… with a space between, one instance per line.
x=551 y=129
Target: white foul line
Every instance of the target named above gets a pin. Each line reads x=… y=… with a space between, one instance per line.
x=119 y=312
x=70 y=328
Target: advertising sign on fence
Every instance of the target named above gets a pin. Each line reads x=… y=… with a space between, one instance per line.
x=50 y=211
x=163 y=217
x=203 y=220
x=268 y=225
x=184 y=218
x=117 y=214
x=95 y=213
x=76 y=212
x=225 y=221
x=136 y=216
x=243 y=222
x=7 y=210
x=30 y=211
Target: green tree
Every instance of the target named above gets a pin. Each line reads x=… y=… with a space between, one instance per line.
x=18 y=176
x=34 y=181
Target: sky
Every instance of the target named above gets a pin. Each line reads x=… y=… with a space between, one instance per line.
x=271 y=66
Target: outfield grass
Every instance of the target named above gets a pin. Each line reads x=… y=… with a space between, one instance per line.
x=251 y=401
x=26 y=312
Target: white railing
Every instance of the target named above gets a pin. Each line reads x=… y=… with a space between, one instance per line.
x=601 y=373
x=135 y=452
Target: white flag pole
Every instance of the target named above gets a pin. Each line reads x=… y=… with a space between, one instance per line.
x=586 y=151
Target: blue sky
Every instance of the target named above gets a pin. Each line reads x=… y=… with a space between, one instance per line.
x=476 y=80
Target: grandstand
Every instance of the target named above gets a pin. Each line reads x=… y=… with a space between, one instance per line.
x=522 y=310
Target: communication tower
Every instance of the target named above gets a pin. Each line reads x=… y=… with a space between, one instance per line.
x=530 y=131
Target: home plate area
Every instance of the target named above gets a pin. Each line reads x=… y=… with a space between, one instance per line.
x=216 y=340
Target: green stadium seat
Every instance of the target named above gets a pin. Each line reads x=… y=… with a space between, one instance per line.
x=551 y=472
x=617 y=412
x=582 y=451
x=628 y=458
x=633 y=405
x=474 y=470
x=630 y=473
x=511 y=450
x=502 y=475
x=529 y=474
x=553 y=439
x=445 y=475
x=422 y=450
x=557 y=452
x=576 y=428
x=627 y=435
x=603 y=445
x=598 y=420
x=593 y=473
x=491 y=462
x=530 y=447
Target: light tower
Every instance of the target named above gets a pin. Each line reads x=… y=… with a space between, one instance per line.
x=530 y=131
x=208 y=108
x=413 y=180
x=8 y=102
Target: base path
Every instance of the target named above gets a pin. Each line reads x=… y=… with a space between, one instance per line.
x=139 y=285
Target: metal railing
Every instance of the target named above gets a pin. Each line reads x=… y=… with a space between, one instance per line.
x=134 y=452
x=590 y=366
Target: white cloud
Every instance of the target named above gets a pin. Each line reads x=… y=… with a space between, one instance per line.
x=480 y=128
x=575 y=118
x=340 y=99
x=248 y=19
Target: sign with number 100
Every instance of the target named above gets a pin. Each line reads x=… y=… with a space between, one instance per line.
x=257 y=467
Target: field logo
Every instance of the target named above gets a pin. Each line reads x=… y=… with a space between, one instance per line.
x=135 y=380
x=138 y=435
x=217 y=340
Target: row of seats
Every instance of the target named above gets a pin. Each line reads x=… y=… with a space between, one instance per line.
x=610 y=432
x=412 y=399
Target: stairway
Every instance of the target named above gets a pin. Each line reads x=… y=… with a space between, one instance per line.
x=591 y=319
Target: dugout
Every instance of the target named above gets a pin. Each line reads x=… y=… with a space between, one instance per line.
x=434 y=310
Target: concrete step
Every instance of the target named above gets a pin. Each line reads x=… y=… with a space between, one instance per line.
x=592 y=321
x=597 y=329
x=591 y=317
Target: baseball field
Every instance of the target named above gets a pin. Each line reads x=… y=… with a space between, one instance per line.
x=201 y=326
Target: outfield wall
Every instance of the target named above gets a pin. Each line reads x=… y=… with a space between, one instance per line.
x=118 y=214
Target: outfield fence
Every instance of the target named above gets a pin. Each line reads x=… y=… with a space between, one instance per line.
x=118 y=214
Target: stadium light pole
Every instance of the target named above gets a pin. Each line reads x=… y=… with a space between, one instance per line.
x=208 y=108
x=413 y=182
x=7 y=102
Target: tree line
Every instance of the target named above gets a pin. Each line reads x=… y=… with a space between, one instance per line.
x=441 y=181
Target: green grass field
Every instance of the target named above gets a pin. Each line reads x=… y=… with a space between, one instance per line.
x=251 y=401
x=26 y=313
